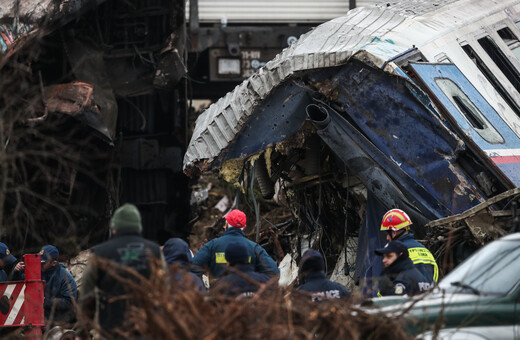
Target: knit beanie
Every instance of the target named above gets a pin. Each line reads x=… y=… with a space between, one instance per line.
x=312 y=261
x=127 y=218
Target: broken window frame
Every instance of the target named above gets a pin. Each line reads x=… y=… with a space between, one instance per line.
x=510 y=39
x=500 y=59
x=469 y=111
x=491 y=78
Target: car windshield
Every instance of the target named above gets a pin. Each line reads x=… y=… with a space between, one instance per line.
x=494 y=269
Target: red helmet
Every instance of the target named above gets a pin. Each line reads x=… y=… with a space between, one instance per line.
x=395 y=219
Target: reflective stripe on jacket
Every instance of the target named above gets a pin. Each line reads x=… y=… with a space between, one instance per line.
x=421 y=257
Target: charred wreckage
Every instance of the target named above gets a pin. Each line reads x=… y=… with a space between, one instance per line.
x=339 y=128
x=93 y=115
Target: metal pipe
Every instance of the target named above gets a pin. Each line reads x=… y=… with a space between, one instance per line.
x=257 y=214
x=359 y=156
x=318 y=114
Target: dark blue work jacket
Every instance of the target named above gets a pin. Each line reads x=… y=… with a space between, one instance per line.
x=60 y=291
x=212 y=254
x=402 y=278
x=322 y=287
x=234 y=284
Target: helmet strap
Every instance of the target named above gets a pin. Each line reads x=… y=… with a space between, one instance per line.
x=399 y=234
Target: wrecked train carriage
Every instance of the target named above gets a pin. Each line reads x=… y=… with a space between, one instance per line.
x=124 y=145
x=354 y=119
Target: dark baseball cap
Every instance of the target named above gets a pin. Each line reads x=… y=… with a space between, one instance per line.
x=49 y=253
x=5 y=254
x=392 y=247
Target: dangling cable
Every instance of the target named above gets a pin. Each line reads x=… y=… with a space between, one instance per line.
x=252 y=184
x=346 y=268
x=236 y=201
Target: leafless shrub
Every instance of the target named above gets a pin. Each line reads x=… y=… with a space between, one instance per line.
x=164 y=309
x=52 y=167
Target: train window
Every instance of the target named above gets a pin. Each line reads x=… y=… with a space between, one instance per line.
x=492 y=79
x=472 y=114
x=511 y=41
x=501 y=61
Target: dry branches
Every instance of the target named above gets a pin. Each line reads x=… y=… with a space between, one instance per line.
x=178 y=311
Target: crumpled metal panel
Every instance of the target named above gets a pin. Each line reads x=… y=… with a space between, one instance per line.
x=316 y=49
x=26 y=18
x=404 y=131
x=76 y=100
x=282 y=116
x=33 y=11
x=372 y=34
x=412 y=8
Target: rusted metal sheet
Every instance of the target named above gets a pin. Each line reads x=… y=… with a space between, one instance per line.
x=69 y=99
x=73 y=99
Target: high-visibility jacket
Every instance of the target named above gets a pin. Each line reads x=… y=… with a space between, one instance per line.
x=421 y=257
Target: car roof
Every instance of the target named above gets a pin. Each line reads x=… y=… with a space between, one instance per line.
x=511 y=237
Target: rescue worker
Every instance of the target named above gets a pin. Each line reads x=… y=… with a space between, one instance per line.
x=101 y=291
x=397 y=225
x=312 y=266
x=9 y=268
x=235 y=283
x=212 y=253
x=401 y=276
x=177 y=252
x=60 y=288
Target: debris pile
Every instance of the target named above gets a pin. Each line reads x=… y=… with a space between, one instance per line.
x=454 y=238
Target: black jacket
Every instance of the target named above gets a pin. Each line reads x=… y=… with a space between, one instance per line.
x=317 y=283
x=234 y=284
x=125 y=248
x=401 y=278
